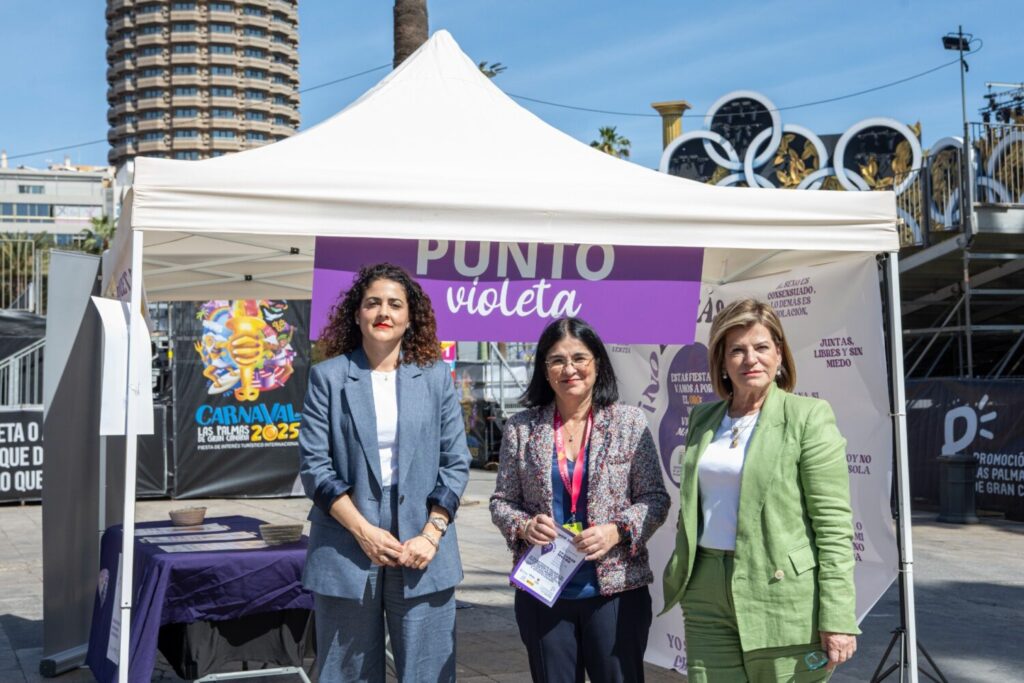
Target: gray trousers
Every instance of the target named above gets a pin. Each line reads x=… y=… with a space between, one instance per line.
x=350 y=633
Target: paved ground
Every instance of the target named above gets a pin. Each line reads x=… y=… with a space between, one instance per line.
x=970 y=596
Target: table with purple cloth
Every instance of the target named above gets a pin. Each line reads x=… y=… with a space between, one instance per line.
x=222 y=587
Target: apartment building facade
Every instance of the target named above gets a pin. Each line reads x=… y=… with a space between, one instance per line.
x=200 y=78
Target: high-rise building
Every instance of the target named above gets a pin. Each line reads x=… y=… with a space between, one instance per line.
x=193 y=80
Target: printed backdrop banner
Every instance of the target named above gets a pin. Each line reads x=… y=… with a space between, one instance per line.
x=981 y=418
x=833 y=321
x=510 y=291
x=21 y=454
x=240 y=372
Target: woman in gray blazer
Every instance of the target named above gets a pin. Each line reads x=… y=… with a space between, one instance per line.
x=384 y=459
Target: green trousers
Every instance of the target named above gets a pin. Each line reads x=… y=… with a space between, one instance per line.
x=713 y=651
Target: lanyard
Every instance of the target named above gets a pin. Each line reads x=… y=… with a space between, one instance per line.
x=576 y=485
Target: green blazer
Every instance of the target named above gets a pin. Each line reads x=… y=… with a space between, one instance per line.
x=793 y=565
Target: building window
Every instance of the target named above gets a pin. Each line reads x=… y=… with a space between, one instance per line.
x=186 y=133
x=222 y=92
x=280 y=99
x=278 y=38
x=186 y=113
x=151 y=92
x=280 y=121
x=151 y=72
x=222 y=28
x=152 y=135
x=255 y=95
x=148 y=9
x=221 y=7
x=183 y=27
x=255 y=116
x=217 y=153
x=151 y=51
x=278 y=78
x=252 y=11
x=185 y=48
x=150 y=30
x=183 y=6
x=255 y=52
x=152 y=114
x=185 y=70
x=222 y=70
x=255 y=136
x=31 y=189
x=258 y=74
x=254 y=32
x=187 y=155
x=219 y=49
x=222 y=113
x=186 y=91
x=225 y=134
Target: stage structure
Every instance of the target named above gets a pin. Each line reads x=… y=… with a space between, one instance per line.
x=243 y=227
x=962 y=269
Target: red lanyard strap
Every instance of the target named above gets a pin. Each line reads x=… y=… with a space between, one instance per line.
x=576 y=484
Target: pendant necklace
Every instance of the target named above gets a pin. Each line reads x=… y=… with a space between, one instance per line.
x=739 y=428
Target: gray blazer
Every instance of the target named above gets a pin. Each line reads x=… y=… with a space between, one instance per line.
x=339 y=454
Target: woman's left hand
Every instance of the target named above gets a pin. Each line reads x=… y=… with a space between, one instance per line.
x=417 y=553
x=596 y=541
x=838 y=646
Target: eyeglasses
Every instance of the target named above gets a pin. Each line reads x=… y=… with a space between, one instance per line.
x=557 y=364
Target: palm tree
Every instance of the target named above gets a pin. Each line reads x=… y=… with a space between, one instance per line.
x=97 y=238
x=491 y=70
x=411 y=28
x=611 y=142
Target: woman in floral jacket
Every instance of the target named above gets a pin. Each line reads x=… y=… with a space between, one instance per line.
x=578 y=459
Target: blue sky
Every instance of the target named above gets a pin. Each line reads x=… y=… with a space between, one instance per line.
x=600 y=54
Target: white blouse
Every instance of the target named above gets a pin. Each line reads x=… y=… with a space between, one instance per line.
x=718 y=475
x=385 y=405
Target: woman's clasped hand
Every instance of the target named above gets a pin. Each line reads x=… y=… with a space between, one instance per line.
x=594 y=541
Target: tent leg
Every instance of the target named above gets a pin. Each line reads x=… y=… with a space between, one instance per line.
x=903 y=527
x=131 y=442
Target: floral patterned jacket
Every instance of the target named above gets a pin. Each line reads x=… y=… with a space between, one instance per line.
x=624 y=484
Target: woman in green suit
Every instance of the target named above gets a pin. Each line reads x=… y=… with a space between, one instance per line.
x=763 y=564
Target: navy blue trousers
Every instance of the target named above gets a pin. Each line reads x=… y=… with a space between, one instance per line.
x=601 y=637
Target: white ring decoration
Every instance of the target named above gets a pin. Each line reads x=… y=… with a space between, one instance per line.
x=750 y=161
x=843 y=174
x=776 y=128
x=706 y=135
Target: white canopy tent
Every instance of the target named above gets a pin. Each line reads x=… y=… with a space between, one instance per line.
x=437 y=151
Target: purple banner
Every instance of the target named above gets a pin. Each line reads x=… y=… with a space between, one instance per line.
x=506 y=291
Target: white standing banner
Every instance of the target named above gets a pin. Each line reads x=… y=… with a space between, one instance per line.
x=832 y=315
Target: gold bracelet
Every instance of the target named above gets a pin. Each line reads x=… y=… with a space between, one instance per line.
x=432 y=541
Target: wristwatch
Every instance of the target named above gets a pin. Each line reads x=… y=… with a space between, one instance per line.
x=439 y=524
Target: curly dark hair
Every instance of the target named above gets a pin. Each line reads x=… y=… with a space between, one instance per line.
x=342 y=334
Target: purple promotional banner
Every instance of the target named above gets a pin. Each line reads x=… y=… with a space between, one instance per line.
x=508 y=291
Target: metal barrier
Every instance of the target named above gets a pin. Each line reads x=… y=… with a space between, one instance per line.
x=21 y=376
x=930 y=203
x=18 y=269
x=999 y=162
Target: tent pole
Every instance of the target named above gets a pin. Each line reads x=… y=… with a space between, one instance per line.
x=131 y=441
x=903 y=531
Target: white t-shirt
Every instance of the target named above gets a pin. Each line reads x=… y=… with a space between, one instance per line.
x=385 y=404
x=718 y=474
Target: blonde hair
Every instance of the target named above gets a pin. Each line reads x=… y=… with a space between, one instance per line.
x=744 y=313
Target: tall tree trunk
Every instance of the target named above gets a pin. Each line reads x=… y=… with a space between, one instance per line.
x=411 y=28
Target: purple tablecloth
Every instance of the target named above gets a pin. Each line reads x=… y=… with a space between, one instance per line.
x=189 y=587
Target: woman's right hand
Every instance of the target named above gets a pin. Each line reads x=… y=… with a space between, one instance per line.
x=540 y=530
x=379 y=545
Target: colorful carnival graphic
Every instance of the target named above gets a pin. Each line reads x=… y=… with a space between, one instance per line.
x=246 y=345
